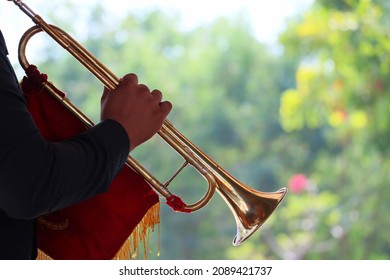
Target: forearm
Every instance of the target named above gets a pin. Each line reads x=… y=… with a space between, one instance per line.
x=41 y=177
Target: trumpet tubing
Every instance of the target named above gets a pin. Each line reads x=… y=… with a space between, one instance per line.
x=250 y=208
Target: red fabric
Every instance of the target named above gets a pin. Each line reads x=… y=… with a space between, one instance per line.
x=96 y=228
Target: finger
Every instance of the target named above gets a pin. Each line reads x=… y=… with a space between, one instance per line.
x=143 y=88
x=165 y=107
x=130 y=78
x=157 y=95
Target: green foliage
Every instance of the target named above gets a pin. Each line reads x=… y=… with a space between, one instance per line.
x=342 y=89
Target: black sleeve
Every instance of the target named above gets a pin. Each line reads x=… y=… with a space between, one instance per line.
x=36 y=176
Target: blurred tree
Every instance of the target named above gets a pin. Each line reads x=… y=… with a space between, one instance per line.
x=341 y=86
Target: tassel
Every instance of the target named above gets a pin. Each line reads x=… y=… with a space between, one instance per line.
x=42 y=256
x=141 y=234
x=177 y=204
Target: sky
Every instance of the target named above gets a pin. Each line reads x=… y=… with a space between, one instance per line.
x=267 y=18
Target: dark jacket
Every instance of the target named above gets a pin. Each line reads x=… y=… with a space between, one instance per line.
x=38 y=177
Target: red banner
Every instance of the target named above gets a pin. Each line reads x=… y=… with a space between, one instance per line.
x=98 y=227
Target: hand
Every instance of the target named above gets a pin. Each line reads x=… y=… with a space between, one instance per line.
x=139 y=111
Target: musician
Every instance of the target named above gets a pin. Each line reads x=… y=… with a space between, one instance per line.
x=38 y=177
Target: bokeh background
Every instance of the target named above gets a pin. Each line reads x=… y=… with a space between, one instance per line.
x=288 y=93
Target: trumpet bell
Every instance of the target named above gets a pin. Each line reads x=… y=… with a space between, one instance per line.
x=250 y=208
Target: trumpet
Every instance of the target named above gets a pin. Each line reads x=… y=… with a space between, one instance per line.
x=250 y=208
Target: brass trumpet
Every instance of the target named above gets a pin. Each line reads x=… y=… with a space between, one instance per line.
x=250 y=207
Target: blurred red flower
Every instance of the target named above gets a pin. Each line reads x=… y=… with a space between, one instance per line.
x=298 y=183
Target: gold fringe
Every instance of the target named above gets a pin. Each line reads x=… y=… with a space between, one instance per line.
x=141 y=234
x=42 y=256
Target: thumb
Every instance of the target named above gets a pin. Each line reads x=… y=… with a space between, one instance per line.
x=106 y=91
